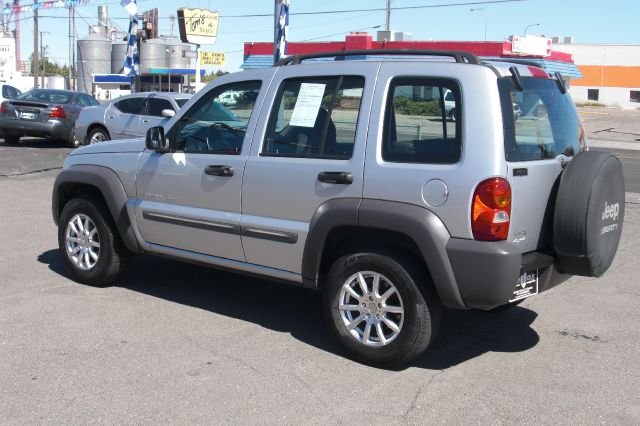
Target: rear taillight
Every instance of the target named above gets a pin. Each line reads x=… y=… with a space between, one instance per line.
x=3 y=108
x=491 y=210
x=57 y=112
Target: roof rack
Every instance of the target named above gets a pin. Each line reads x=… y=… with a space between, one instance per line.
x=519 y=61
x=459 y=56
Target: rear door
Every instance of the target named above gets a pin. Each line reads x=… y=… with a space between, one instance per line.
x=123 y=116
x=315 y=128
x=539 y=141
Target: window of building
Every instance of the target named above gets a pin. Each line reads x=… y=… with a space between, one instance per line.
x=422 y=122
x=593 y=94
x=634 y=96
x=209 y=127
x=315 y=118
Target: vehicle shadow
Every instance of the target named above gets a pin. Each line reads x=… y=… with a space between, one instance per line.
x=28 y=142
x=463 y=335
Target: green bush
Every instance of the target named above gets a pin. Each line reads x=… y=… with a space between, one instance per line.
x=408 y=106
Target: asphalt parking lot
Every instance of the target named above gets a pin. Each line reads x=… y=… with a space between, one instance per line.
x=178 y=343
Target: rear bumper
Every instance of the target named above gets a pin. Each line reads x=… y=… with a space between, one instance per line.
x=51 y=129
x=487 y=272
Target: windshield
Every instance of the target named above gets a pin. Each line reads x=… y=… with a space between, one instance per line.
x=540 y=122
x=49 y=96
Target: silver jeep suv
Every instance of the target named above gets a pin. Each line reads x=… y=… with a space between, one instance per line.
x=349 y=177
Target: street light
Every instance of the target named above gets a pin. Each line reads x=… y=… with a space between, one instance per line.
x=485 y=20
x=529 y=26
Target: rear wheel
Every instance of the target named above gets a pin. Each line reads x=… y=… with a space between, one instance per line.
x=97 y=135
x=11 y=140
x=452 y=114
x=375 y=308
x=89 y=242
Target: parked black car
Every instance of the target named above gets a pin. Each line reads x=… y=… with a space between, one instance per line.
x=43 y=113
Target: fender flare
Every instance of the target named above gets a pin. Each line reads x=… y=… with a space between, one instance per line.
x=407 y=219
x=107 y=182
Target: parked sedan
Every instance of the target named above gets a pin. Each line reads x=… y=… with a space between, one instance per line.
x=127 y=116
x=44 y=113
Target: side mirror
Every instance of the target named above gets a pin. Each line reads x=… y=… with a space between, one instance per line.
x=168 y=113
x=156 y=141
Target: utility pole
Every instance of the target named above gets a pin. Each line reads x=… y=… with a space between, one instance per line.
x=43 y=59
x=16 y=34
x=388 y=23
x=36 y=62
x=70 y=85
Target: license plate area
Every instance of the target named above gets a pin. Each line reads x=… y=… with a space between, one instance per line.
x=526 y=286
x=27 y=115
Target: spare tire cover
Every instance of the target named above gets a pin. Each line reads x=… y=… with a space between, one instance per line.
x=589 y=214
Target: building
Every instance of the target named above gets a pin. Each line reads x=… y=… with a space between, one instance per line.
x=258 y=54
x=610 y=73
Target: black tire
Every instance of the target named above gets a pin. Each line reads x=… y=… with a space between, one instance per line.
x=452 y=114
x=98 y=131
x=113 y=256
x=11 y=140
x=73 y=141
x=422 y=311
x=589 y=214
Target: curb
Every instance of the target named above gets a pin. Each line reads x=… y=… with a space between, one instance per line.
x=597 y=143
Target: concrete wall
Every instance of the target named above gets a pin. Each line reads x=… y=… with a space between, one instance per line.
x=612 y=69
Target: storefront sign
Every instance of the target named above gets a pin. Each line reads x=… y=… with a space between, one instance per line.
x=198 y=26
x=212 y=58
x=531 y=45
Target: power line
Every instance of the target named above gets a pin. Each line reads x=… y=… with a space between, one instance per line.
x=327 y=12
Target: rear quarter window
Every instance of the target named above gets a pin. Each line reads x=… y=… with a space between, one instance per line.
x=540 y=122
x=422 y=121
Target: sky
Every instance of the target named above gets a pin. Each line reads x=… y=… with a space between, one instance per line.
x=588 y=21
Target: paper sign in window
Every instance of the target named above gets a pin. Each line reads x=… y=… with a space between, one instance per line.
x=307 y=105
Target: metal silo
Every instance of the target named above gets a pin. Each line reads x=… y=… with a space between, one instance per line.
x=118 y=52
x=94 y=57
x=152 y=54
x=175 y=57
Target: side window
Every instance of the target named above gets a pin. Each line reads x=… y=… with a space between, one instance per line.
x=131 y=105
x=315 y=118
x=422 y=122
x=80 y=100
x=211 y=127
x=91 y=101
x=156 y=105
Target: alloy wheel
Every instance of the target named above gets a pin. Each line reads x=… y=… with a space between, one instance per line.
x=82 y=242
x=371 y=308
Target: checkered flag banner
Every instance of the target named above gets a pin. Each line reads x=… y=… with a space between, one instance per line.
x=131 y=59
x=282 y=31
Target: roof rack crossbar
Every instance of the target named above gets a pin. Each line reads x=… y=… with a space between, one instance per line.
x=459 y=56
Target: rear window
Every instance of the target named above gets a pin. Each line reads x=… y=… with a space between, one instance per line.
x=540 y=122
x=49 y=96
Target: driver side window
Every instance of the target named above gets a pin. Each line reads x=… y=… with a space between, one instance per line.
x=217 y=123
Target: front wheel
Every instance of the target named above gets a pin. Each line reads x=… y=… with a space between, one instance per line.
x=89 y=242
x=374 y=306
x=452 y=114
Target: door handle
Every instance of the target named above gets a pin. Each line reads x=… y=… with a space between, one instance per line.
x=111 y=116
x=145 y=121
x=343 y=178
x=216 y=170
